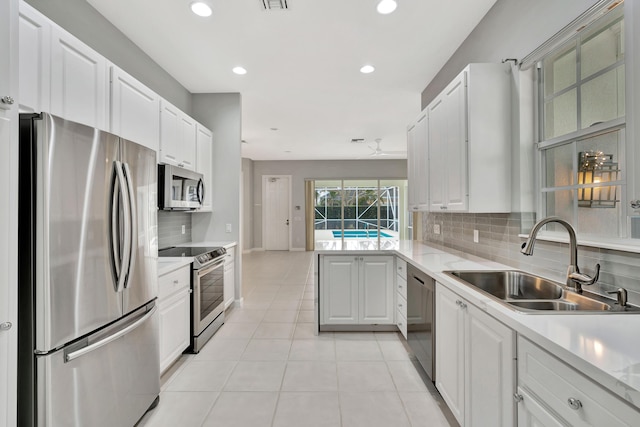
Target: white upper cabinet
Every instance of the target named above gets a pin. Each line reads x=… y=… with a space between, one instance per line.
x=204 y=164
x=34 y=59
x=134 y=110
x=417 y=144
x=177 y=137
x=78 y=80
x=469 y=134
x=59 y=73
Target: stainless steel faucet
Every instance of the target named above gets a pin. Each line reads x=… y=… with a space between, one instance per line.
x=575 y=279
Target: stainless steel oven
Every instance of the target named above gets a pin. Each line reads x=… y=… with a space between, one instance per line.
x=208 y=301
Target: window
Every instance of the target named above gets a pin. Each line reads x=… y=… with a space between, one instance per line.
x=581 y=95
x=359 y=210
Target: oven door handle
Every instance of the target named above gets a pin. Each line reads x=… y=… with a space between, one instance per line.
x=209 y=269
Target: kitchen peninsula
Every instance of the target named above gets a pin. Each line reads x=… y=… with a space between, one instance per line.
x=586 y=365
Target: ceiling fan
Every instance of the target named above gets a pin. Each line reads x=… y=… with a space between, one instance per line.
x=378 y=152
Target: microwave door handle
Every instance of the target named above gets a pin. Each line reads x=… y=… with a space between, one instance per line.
x=126 y=208
x=133 y=224
x=201 y=191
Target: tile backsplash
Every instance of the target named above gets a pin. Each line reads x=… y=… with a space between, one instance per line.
x=499 y=241
x=170 y=228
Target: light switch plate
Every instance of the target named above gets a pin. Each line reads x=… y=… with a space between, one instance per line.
x=436 y=228
x=228 y=228
x=476 y=236
x=184 y=229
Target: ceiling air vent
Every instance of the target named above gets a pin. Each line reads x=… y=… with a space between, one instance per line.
x=274 y=4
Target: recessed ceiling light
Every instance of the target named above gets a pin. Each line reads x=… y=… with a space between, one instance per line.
x=385 y=7
x=239 y=70
x=201 y=8
x=366 y=69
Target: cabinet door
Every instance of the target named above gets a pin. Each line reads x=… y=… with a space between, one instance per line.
x=339 y=280
x=169 y=133
x=78 y=80
x=532 y=414
x=437 y=160
x=456 y=144
x=174 y=315
x=376 y=291
x=229 y=281
x=34 y=59
x=135 y=110
x=450 y=350
x=188 y=138
x=8 y=211
x=412 y=172
x=204 y=162
x=489 y=371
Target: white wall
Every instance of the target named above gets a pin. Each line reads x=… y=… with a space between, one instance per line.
x=310 y=169
x=247 y=202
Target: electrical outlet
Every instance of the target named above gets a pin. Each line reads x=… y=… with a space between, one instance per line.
x=436 y=228
x=228 y=228
x=476 y=236
x=184 y=229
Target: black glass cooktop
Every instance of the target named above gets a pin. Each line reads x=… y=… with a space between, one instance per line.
x=180 y=251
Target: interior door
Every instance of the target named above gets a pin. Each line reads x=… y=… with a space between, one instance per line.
x=276 y=205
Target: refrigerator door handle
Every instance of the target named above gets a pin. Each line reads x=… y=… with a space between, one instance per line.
x=132 y=222
x=114 y=242
x=68 y=357
x=126 y=207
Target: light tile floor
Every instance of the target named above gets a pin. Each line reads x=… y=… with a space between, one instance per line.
x=266 y=367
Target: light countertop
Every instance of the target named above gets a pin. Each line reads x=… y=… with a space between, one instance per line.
x=169 y=264
x=605 y=347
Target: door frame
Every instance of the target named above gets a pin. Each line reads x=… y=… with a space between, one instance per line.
x=264 y=210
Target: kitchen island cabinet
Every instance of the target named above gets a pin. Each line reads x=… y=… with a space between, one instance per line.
x=358 y=290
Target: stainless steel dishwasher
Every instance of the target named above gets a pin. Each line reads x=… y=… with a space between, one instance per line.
x=421 y=318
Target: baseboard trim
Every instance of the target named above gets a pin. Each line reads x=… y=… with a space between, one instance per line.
x=297 y=250
x=248 y=251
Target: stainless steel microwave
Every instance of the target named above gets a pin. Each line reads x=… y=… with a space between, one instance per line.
x=179 y=189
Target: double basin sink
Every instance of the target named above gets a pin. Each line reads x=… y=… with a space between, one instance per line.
x=532 y=294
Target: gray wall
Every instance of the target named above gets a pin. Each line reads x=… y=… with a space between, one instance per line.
x=80 y=19
x=247 y=203
x=309 y=169
x=511 y=29
x=221 y=112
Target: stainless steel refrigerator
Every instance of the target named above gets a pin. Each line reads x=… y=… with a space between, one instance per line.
x=88 y=327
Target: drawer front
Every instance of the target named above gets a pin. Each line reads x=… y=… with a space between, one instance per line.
x=401 y=268
x=402 y=323
x=401 y=286
x=174 y=281
x=571 y=395
x=401 y=305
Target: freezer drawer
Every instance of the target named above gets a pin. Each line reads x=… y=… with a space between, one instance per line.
x=109 y=385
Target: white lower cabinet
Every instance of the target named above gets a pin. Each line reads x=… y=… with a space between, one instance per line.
x=553 y=393
x=475 y=362
x=229 y=278
x=174 y=301
x=357 y=290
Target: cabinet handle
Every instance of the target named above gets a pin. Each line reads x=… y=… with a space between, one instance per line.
x=399 y=286
x=574 y=403
x=461 y=304
x=7 y=100
x=175 y=282
x=400 y=305
x=5 y=326
x=518 y=397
